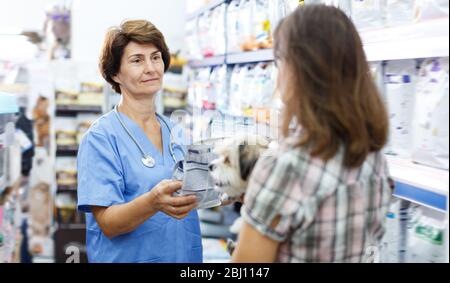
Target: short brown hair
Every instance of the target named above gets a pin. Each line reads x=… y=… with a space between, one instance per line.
x=335 y=99
x=117 y=38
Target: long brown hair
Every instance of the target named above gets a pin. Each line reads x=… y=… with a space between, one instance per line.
x=334 y=97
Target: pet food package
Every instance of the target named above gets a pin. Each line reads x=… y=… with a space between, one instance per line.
x=426 y=237
x=344 y=5
x=233 y=27
x=400 y=12
x=195 y=175
x=368 y=14
x=432 y=9
x=217 y=30
x=219 y=83
x=238 y=86
x=261 y=24
x=205 y=35
x=249 y=89
x=204 y=89
x=431 y=134
x=399 y=77
x=247 y=37
x=389 y=246
x=193 y=51
x=277 y=11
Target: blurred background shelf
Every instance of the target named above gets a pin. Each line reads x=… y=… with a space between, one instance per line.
x=207 y=62
x=67 y=150
x=211 y=5
x=73 y=110
x=67 y=188
x=71 y=226
x=417 y=40
x=420 y=184
x=262 y=55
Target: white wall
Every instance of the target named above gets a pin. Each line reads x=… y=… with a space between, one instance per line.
x=91 y=19
x=23 y=14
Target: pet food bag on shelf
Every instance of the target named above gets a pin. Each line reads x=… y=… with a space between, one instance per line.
x=192 y=40
x=262 y=25
x=431 y=141
x=247 y=36
x=217 y=30
x=399 y=80
x=236 y=90
x=400 y=12
x=277 y=11
x=389 y=246
x=368 y=14
x=432 y=9
x=205 y=36
x=249 y=89
x=426 y=238
x=262 y=101
x=220 y=87
x=233 y=27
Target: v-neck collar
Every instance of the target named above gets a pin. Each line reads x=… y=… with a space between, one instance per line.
x=141 y=137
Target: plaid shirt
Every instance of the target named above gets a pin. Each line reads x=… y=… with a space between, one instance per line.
x=326 y=212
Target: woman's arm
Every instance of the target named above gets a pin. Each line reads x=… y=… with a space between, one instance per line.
x=254 y=247
x=120 y=219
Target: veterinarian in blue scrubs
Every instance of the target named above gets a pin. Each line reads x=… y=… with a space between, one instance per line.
x=126 y=160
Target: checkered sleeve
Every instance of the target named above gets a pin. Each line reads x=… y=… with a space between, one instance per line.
x=268 y=204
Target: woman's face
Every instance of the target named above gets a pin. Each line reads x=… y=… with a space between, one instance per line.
x=141 y=70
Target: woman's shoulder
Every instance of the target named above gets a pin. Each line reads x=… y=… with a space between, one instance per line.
x=103 y=125
x=282 y=158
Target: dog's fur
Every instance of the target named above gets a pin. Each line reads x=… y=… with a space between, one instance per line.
x=237 y=157
x=232 y=169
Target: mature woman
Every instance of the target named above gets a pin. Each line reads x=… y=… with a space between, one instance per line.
x=323 y=196
x=126 y=159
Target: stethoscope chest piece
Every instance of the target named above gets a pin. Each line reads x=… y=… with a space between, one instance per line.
x=148 y=161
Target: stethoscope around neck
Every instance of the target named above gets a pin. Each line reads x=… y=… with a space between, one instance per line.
x=147 y=159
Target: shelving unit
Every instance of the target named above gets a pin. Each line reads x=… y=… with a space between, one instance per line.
x=212 y=4
x=73 y=110
x=66 y=188
x=70 y=120
x=420 y=184
x=262 y=55
x=429 y=39
x=67 y=150
x=10 y=180
x=211 y=61
x=417 y=40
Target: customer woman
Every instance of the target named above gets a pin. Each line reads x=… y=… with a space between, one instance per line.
x=126 y=159
x=323 y=196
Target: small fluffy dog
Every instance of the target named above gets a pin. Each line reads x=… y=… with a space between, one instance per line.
x=232 y=169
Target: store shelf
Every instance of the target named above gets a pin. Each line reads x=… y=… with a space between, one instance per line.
x=73 y=110
x=66 y=150
x=250 y=57
x=66 y=188
x=420 y=184
x=71 y=226
x=207 y=62
x=419 y=40
x=212 y=4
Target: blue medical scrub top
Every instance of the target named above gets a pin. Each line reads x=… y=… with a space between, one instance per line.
x=110 y=172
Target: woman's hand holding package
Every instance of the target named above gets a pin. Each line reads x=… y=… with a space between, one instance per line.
x=163 y=199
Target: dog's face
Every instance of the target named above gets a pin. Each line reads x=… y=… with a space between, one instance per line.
x=237 y=157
